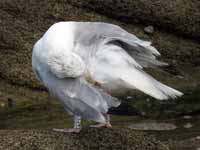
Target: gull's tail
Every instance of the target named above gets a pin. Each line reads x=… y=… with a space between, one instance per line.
x=140 y=80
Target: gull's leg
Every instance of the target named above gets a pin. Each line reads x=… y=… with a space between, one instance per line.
x=75 y=129
x=107 y=124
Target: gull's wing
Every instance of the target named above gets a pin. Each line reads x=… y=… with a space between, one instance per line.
x=66 y=64
x=113 y=64
x=81 y=98
x=70 y=65
x=62 y=73
x=120 y=57
x=98 y=33
x=77 y=95
x=142 y=51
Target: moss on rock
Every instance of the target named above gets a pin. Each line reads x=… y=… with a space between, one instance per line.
x=88 y=139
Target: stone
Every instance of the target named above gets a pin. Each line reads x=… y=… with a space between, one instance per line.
x=153 y=126
x=197 y=138
x=187 y=117
x=188 y=125
x=149 y=29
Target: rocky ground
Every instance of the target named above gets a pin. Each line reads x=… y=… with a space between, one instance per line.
x=177 y=16
x=89 y=138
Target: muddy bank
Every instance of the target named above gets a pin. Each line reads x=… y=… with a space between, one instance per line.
x=23 y=22
x=179 y=16
x=89 y=138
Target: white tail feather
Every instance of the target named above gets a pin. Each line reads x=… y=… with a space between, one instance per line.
x=140 y=80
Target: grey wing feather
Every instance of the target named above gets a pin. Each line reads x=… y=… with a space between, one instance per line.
x=111 y=101
x=80 y=108
x=140 y=50
x=97 y=97
x=143 y=53
x=92 y=97
x=80 y=98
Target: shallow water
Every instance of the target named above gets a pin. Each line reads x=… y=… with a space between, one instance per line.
x=51 y=115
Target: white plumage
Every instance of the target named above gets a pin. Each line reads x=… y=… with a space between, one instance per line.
x=79 y=62
x=66 y=64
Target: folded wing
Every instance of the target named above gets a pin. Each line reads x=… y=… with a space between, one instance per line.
x=66 y=64
x=122 y=58
x=78 y=96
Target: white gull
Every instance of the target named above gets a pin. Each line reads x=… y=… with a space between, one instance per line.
x=81 y=62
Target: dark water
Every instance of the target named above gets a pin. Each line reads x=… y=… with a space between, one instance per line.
x=51 y=115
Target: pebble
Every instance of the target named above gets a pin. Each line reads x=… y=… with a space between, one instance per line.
x=147 y=99
x=179 y=76
x=143 y=113
x=153 y=126
x=149 y=29
x=2 y=104
x=129 y=97
x=187 y=117
x=188 y=125
x=197 y=138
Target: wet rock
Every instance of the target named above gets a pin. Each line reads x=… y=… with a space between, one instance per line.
x=188 y=125
x=3 y=101
x=129 y=97
x=185 y=144
x=2 y=104
x=125 y=109
x=11 y=103
x=149 y=29
x=183 y=17
x=187 y=117
x=153 y=126
x=197 y=138
x=89 y=138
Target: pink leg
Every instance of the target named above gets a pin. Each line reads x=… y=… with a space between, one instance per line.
x=75 y=129
x=68 y=130
x=107 y=124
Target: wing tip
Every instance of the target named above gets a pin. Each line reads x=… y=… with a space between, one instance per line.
x=174 y=94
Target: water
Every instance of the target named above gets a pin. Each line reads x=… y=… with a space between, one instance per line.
x=35 y=109
x=52 y=115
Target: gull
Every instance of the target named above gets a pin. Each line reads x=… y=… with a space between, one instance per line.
x=83 y=64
